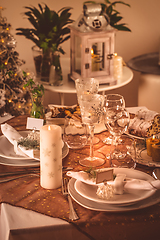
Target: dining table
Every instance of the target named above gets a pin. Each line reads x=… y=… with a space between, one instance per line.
x=139 y=221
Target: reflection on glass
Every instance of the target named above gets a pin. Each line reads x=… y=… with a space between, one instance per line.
x=97 y=56
x=77 y=63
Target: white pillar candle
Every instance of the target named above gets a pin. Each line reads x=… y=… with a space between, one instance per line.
x=50 y=156
x=118 y=66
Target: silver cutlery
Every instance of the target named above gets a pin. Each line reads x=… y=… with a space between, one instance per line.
x=72 y=214
x=14 y=178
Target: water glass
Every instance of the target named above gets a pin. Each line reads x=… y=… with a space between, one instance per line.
x=75 y=133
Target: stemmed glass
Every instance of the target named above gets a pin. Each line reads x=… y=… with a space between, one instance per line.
x=91 y=106
x=117 y=121
x=113 y=100
x=89 y=86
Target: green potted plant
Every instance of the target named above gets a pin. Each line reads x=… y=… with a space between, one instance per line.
x=36 y=92
x=114 y=16
x=48 y=33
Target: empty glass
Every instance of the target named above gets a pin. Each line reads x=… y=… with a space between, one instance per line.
x=87 y=85
x=113 y=100
x=91 y=106
x=75 y=133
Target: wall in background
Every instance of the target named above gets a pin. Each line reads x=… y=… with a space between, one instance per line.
x=143 y=18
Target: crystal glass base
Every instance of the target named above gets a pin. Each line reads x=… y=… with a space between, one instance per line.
x=91 y=162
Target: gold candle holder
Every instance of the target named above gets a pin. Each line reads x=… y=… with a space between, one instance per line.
x=149 y=143
x=156 y=152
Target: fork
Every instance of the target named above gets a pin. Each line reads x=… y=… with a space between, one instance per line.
x=72 y=213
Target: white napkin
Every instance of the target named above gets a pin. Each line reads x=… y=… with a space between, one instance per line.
x=120 y=183
x=13 y=136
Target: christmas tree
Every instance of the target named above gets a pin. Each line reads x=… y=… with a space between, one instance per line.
x=14 y=98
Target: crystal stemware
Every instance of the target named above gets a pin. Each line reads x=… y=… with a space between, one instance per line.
x=91 y=106
x=87 y=85
x=117 y=121
x=113 y=100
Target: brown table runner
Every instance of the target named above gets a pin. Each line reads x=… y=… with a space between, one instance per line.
x=27 y=193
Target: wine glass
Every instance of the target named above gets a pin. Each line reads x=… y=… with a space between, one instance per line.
x=91 y=106
x=113 y=100
x=117 y=121
x=87 y=85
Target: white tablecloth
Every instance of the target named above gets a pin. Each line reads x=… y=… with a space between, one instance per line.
x=22 y=224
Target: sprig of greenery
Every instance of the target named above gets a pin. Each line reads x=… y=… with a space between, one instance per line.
x=29 y=144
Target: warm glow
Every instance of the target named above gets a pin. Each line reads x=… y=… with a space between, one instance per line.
x=6 y=63
x=153 y=137
x=7 y=29
x=9 y=100
x=49 y=128
x=92 y=52
x=19 y=106
x=2 y=40
x=115 y=54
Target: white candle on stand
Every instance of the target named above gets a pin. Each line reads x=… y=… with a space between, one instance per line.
x=50 y=156
x=118 y=66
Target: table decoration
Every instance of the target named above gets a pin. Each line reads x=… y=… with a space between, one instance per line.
x=49 y=30
x=50 y=156
x=149 y=143
x=156 y=152
x=118 y=67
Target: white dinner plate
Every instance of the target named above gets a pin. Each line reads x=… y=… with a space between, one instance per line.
x=9 y=157
x=92 y=205
x=129 y=197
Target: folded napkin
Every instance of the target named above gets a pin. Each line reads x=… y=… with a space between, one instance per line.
x=13 y=136
x=120 y=183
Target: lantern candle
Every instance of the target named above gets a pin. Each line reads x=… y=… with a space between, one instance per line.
x=156 y=152
x=149 y=143
x=118 y=66
x=50 y=156
x=95 y=61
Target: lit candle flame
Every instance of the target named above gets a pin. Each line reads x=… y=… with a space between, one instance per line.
x=49 y=128
x=92 y=52
x=153 y=137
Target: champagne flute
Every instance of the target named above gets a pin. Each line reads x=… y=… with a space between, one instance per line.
x=87 y=85
x=91 y=106
x=113 y=100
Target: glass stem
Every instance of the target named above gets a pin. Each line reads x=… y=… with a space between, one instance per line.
x=91 y=131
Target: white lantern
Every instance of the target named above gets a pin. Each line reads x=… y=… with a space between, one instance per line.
x=92 y=46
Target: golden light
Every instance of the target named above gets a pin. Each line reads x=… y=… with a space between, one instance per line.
x=9 y=100
x=92 y=52
x=115 y=54
x=6 y=63
x=7 y=29
x=2 y=40
x=153 y=137
x=49 y=127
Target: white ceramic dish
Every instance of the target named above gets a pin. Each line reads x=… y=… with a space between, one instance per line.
x=96 y=206
x=9 y=157
x=129 y=196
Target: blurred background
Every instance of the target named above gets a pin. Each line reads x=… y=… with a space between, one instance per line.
x=142 y=18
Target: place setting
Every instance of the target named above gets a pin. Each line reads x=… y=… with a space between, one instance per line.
x=136 y=189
